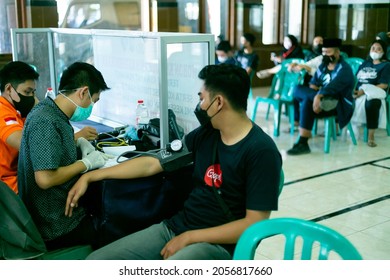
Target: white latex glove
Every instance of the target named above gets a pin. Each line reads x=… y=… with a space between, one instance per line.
x=94 y=160
x=85 y=146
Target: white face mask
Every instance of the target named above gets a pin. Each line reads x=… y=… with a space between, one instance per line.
x=376 y=56
x=222 y=59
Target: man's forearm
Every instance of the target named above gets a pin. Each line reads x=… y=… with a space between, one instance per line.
x=134 y=168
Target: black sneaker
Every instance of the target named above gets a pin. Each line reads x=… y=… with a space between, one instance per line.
x=299 y=149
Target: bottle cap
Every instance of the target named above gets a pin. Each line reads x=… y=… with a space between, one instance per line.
x=49 y=88
x=140 y=101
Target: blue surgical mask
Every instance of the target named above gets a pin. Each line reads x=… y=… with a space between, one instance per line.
x=81 y=113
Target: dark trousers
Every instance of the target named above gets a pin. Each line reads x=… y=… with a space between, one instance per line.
x=84 y=234
x=303 y=107
x=373 y=107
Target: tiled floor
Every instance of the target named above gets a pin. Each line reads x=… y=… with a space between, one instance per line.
x=347 y=189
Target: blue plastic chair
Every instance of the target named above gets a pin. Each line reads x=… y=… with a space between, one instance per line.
x=283 y=84
x=292 y=228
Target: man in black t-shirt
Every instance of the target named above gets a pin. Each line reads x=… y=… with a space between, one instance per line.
x=235 y=164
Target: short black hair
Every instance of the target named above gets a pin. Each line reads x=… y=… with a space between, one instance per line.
x=250 y=38
x=230 y=80
x=224 y=46
x=80 y=74
x=15 y=73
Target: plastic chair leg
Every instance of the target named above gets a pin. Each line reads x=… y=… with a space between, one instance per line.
x=334 y=129
x=255 y=110
x=330 y=131
x=314 y=129
x=267 y=114
x=351 y=133
x=290 y=112
x=277 y=110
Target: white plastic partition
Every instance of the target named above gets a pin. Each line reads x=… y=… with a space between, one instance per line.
x=160 y=68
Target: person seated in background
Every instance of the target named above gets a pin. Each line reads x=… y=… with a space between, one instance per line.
x=291 y=49
x=236 y=164
x=225 y=54
x=246 y=56
x=18 y=86
x=315 y=48
x=373 y=79
x=49 y=164
x=385 y=37
x=328 y=94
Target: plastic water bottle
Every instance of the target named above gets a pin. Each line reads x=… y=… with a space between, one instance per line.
x=141 y=114
x=50 y=93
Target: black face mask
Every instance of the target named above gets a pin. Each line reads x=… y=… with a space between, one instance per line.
x=201 y=114
x=25 y=104
x=328 y=59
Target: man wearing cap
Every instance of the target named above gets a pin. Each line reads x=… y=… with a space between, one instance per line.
x=329 y=94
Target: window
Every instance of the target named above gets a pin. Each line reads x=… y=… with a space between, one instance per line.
x=270 y=22
x=293 y=18
x=217 y=19
x=128 y=14
x=188 y=15
x=81 y=15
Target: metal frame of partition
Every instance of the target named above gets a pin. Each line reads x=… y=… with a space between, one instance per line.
x=164 y=39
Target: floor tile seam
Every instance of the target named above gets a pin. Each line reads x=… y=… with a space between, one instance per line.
x=369 y=236
x=350 y=208
x=336 y=171
x=379 y=165
x=364 y=231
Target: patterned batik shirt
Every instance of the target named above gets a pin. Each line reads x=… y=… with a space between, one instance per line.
x=47 y=144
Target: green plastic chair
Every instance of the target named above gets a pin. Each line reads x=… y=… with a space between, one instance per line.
x=281 y=181
x=20 y=238
x=344 y=55
x=292 y=228
x=283 y=84
x=306 y=52
x=354 y=62
x=331 y=131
